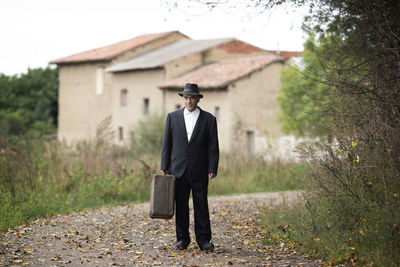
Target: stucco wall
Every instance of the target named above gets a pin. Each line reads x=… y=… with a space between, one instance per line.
x=139 y=85
x=182 y=65
x=254 y=105
x=211 y=100
x=80 y=108
x=248 y=105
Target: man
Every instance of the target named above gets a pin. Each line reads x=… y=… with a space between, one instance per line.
x=190 y=152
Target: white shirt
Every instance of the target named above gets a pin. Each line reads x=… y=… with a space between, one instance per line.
x=190 y=120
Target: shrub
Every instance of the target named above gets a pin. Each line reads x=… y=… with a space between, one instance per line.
x=147 y=136
x=40 y=178
x=351 y=208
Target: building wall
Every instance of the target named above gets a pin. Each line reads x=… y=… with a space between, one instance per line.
x=212 y=100
x=254 y=108
x=248 y=110
x=182 y=65
x=81 y=108
x=140 y=85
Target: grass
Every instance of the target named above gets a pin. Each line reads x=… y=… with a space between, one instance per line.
x=50 y=178
x=350 y=213
x=251 y=175
x=41 y=178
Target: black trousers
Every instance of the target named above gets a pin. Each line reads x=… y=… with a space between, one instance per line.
x=199 y=188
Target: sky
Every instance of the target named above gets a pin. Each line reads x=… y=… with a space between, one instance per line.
x=34 y=32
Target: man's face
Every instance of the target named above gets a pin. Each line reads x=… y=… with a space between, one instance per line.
x=191 y=102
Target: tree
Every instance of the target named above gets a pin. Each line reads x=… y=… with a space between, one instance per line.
x=28 y=103
x=147 y=136
x=303 y=97
x=359 y=52
x=352 y=205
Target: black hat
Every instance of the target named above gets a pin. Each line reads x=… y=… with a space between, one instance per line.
x=191 y=89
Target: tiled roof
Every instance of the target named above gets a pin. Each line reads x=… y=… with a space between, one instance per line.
x=237 y=46
x=159 y=57
x=221 y=74
x=288 y=54
x=111 y=51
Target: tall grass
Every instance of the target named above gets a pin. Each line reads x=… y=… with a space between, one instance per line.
x=240 y=174
x=41 y=177
x=351 y=208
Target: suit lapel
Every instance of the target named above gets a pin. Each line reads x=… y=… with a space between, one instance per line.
x=182 y=126
x=196 y=127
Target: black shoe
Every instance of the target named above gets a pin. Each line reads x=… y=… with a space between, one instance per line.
x=207 y=247
x=182 y=244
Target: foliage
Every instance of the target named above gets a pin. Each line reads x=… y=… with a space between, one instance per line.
x=352 y=197
x=28 y=103
x=40 y=178
x=343 y=219
x=147 y=136
x=303 y=97
x=352 y=200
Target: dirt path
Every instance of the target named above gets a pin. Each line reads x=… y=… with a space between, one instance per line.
x=126 y=236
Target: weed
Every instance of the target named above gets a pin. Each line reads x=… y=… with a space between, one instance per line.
x=43 y=177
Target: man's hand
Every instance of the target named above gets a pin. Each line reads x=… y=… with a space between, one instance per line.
x=164 y=172
x=212 y=175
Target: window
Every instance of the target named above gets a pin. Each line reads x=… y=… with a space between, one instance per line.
x=124 y=98
x=250 y=142
x=217 y=113
x=177 y=106
x=99 y=81
x=146 y=103
x=121 y=133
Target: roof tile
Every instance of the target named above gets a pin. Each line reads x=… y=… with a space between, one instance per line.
x=221 y=74
x=287 y=54
x=110 y=51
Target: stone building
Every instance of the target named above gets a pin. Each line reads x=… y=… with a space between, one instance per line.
x=132 y=79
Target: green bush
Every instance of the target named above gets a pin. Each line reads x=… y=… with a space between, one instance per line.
x=351 y=207
x=351 y=210
x=28 y=103
x=40 y=178
x=147 y=136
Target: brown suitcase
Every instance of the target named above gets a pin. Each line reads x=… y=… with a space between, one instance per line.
x=162 y=197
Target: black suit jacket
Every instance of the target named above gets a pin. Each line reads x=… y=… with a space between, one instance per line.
x=200 y=155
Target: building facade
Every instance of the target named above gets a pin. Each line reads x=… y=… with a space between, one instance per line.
x=132 y=79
